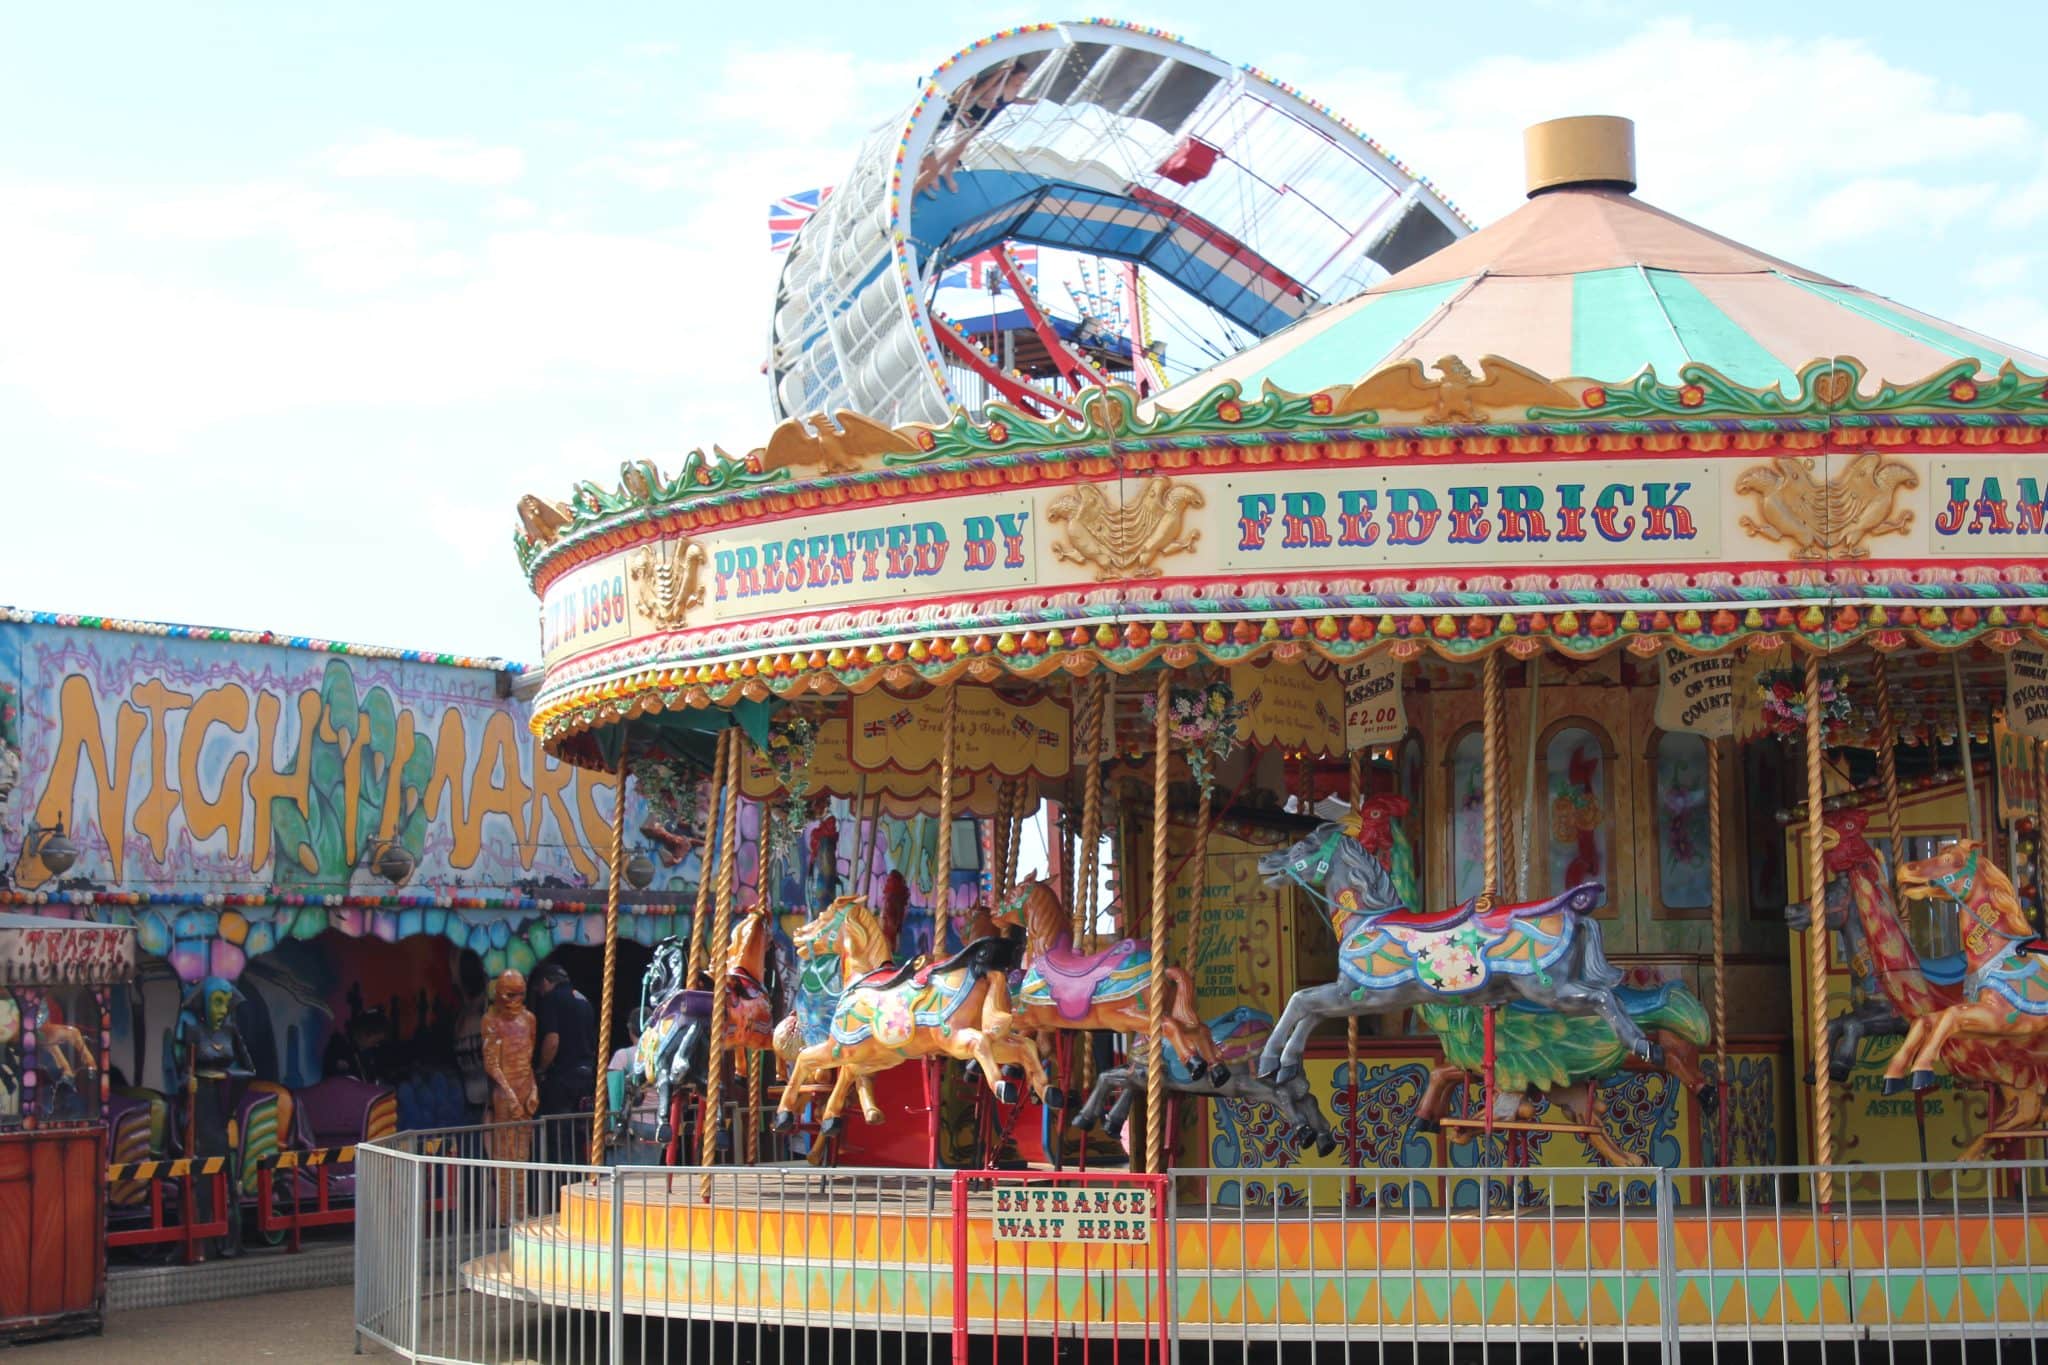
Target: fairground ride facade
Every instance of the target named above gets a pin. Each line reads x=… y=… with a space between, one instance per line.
x=1681 y=550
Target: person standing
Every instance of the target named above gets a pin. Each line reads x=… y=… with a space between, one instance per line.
x=567 y=1059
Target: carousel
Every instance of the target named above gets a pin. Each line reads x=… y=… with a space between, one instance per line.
x=1575 y=704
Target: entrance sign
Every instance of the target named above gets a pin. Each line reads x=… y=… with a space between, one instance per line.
x=1035 y=1211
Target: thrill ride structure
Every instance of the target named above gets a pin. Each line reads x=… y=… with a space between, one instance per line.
x=1444 y=666
x=1071 y=204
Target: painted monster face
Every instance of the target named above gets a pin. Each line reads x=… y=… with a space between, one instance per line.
x=218 y=1003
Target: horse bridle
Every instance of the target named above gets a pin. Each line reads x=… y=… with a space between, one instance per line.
x=1967 y=874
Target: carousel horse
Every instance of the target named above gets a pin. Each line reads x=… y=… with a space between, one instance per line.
x=888 y=1015
x=2004 y=1001
x=1539 y=1052
x=1063 y=988
x=1240 y=1031
x=1390 y=958
x=1888 y=983
x=675 y=1018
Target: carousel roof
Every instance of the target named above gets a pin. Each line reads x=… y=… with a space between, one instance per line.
x=1587 y=280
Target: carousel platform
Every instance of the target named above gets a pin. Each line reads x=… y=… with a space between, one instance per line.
x=807 y=1249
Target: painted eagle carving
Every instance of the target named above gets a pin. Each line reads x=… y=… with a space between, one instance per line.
x=838 y=444
x=1819 y=517
x=1460 y=395
x=1127 y=539
x=544 y=521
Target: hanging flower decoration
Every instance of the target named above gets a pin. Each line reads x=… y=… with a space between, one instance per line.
x=1784 y=702
x=1202 y=722
x=792 y=745
x=674 y=792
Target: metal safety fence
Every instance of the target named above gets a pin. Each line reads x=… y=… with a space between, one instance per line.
x=463 y=1256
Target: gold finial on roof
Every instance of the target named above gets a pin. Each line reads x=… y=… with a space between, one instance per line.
x=1588 y=150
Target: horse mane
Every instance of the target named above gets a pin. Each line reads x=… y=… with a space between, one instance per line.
x=2004 y=902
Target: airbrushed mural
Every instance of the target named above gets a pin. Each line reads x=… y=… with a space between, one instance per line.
x=229 y=797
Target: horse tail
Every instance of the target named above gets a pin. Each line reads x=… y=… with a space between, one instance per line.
x=1594 y=968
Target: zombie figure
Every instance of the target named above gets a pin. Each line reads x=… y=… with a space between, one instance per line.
x=209 y=1064
x=515 y=1098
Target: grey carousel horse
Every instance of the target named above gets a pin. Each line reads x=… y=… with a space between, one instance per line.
x=1115 y=1087
x=1389 y=958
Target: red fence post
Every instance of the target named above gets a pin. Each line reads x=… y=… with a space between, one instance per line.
x=960 y=1268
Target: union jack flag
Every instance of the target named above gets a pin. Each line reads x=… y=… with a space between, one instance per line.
x=787 y=215
x=982 y=274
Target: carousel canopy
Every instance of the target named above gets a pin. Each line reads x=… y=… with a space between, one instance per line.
x=1586 y=279
x=1750 y=453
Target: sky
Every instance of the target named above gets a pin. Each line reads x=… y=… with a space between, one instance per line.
x=296 y=300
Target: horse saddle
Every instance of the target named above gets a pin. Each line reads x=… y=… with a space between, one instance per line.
x=1491 y=917
x=743 y=985
x=881 y=978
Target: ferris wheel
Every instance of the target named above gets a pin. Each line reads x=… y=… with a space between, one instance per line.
x=1070 y=204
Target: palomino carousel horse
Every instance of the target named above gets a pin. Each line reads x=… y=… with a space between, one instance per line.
x=1238 y=1032
x=1106 y=990
x=1999 y=1030
x=1547 y=952
x=1539 y=1052
x=888 y=1015
x=1888 y=983
x=676 y=1018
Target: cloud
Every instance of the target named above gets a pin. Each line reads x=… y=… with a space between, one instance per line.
x=1877 y=205
x=2009 y=271
x=1733 y=128
x=400 y=156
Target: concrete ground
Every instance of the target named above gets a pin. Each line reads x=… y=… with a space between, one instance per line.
x=299 y=1327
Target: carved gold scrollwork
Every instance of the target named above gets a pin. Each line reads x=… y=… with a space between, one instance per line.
x=666 y=581
x=1126 y=538
x=1833 y=517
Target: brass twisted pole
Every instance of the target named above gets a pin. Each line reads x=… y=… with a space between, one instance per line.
x=601 y=1106
x=1817 y=947
x=1155 y=999
x=999 y=838
x=1020 y=804
x=763 y=864
x=1089 y=888
x=1720 y=915
x=720 y=949
x=714 y=793
x=942 y=890
x=1888 y=759
x=1493 y=721
x=1357 y=773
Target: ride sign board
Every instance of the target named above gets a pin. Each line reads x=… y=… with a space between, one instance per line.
x=1290 y=708
x=1696 y=694
x=990 y=734
x=2026 y=691
x=1098 y=1211
x=39 y=951
x=2019 y=775
x=1620 y=512
x=1374 y=711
